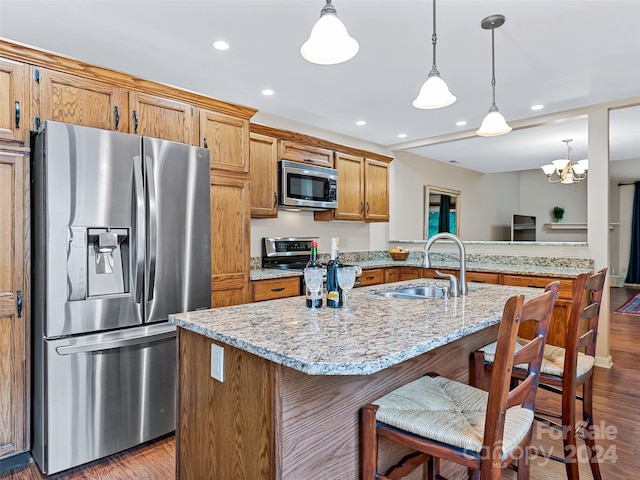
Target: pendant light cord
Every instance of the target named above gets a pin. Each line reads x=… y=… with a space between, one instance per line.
x=434 y=36
x=493 y=67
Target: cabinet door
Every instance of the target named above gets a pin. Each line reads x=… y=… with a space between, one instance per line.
x=298 y=152
x=391 y=275
x=350 y=187
x=276 y=288
x=263 y=154
x=230 y=236
x=373 y=276
x=80 y=101
x=159 y=117
x=13 y=325
x=376 y=191
x=227 y=138
x=14 y=102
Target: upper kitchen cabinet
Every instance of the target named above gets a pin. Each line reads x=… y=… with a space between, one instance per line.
x=227 y=137
x=14 y=102
x=263 y=154
x=363 y=190
x=230 y=240
x=158 y=117
x=376 y=191
x=81 y=101
x=298 y=152
x=14 y=303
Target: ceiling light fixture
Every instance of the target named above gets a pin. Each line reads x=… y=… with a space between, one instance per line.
x=565 y=171
x=402 y=135
x=329 y=42
x=434 y=92
x=461 y=123
x=494 y=123
x=267 y=92
x=361 y=123
x=220 y=45
x=537 y=107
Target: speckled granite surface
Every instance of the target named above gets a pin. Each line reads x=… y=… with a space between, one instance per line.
x=380 y=332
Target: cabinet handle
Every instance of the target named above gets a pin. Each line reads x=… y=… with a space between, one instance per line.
x=479 y=281
x=117 y=115
x=17 y=114
x=135 y=122
x=19 y=295
x=361 y=207
x=309 y=160
x=277 y=289
x=275 y=199
x=205 y=143
x=368 y=207
x=370 y=277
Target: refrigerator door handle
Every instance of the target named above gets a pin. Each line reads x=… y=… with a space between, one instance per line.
x=138 y=225
x=152 y=232
x=167 y=331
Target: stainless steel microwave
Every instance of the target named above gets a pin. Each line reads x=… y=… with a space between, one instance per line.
x=308 y=187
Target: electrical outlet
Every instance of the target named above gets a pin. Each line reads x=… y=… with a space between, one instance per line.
x=217 y=362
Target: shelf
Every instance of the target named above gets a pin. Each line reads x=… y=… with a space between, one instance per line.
x=573 y=226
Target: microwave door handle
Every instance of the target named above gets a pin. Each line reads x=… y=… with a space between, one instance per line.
x=152 y=235
x=139 y=229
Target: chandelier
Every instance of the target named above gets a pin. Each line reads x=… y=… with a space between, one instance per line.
x=565 y=171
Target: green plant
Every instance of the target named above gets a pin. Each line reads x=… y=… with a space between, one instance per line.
x=558 y=212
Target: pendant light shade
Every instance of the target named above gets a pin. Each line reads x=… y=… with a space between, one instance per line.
x=329 y=42
x=494 y=123
x=434 y=92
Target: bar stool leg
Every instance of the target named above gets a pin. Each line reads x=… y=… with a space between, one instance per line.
x=369 y=444
x=569 y=432
x=587 y=415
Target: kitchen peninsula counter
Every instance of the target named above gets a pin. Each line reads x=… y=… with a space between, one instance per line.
x=294 y=381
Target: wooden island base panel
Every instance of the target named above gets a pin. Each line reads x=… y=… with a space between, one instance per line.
x=294 y=382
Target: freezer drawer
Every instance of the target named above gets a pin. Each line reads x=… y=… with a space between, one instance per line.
x=104 y=393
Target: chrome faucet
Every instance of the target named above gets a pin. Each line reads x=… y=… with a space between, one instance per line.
x=456 y=287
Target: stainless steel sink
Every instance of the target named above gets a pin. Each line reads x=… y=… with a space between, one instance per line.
x=417 y=293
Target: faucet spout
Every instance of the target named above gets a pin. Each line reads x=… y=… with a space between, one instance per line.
x=426 y=262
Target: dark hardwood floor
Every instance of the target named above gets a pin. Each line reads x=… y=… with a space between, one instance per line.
x=616 y=391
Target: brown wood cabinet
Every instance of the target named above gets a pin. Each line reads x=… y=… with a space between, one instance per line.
x=230 y=240
x=272 y=289
x=263 y=155
x=158 y=117
x=14 y=324
x=400 y=274
x=227 y=137
x=15 y=102
x=81 y=101
x=376 y=191
x=298 y=152
x=373 y=276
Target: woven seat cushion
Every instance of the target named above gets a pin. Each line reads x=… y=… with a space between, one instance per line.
x=552 y=360
x=449 y=412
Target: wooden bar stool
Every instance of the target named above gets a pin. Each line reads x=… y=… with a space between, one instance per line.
x=443 y=419
x=563 y=370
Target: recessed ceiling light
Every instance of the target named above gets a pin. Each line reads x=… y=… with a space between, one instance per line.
x=461 y=123
x=361 y=122
x=267 y=92
x=220 y=45
x=537 y=107
x=402 y=135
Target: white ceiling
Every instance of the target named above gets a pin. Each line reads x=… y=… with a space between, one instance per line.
x=564 y=54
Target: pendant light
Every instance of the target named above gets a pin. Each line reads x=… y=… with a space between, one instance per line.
x=494 y=123
x=434 y=92
x=329 y=42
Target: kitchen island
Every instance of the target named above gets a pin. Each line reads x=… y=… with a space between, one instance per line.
x=294 y=381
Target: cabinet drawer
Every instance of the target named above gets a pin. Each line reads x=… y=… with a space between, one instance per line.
x=372 y=277
x=482 y=277
x=276 y=288
x=298 y=152
x=565 y=290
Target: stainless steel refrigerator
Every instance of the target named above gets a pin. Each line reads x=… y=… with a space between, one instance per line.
x=121 y=239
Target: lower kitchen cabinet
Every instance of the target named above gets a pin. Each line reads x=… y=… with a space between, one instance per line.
x=399 y=274
x=372 y=276
x=275 y=288
x=14 y=318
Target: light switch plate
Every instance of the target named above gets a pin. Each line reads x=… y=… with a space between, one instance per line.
x=217 y=362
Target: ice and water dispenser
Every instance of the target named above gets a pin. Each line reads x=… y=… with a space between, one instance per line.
x=98 y=262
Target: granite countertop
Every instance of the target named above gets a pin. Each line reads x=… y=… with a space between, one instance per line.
x=559 y=271
x=380 y=332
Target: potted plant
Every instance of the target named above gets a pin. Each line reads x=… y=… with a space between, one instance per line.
x=558 y=213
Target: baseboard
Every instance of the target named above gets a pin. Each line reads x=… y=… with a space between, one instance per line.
x=13 y=462
x=604 y=362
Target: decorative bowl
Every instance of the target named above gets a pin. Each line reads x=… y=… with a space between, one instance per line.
x=399 y=255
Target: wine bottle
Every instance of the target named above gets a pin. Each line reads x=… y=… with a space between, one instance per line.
x=313 y=263
x=334 y=292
